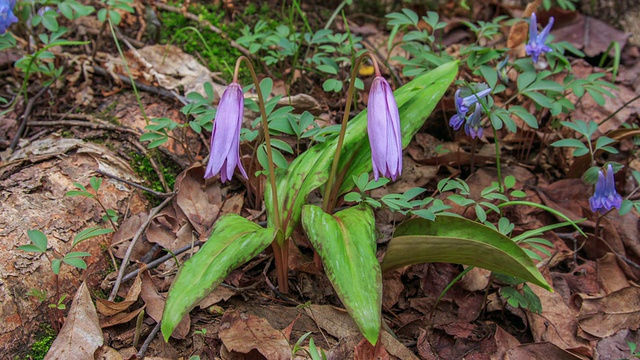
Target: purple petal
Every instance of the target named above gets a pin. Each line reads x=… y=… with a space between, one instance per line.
x=225 y=135
x=533 y=28
x=542 y=38
x=383 y=127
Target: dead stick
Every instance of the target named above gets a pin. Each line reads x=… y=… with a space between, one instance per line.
x=127 y=255
x=83 y=124
x=148 y=340
x=147 y=88
x=159 y=194
x=25 y=117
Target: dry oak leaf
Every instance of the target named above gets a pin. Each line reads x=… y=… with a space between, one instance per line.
x=81 y=334
x=242 y=333
x=604 y=316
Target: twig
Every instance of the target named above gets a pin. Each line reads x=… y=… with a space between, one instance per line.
x=222 y=34
x=147 y=88
x=148 y=340
x=25 y=117
x=127 y=255
x=155 y=263
x=83 y=124
x=159 y=194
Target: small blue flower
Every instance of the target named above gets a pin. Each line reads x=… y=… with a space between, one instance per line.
x=605 y=197
x=6 y=14
x=536 y=45
x=473 y=127
x=463 y=104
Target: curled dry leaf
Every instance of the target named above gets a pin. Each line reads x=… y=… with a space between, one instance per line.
x=198 y=199
x=122 y=238
x=110 y=308
x=242 y=333
x=81 y=334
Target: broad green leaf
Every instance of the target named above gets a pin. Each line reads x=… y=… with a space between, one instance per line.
x=416 y=100
x=346 y=243
x=459 y=241
x=39 y=239
x=233 y=241
x=89 y=233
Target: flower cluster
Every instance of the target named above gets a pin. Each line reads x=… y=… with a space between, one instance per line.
x=383 y=126
x=536 y=45
x=6 y=14
x=472 y=126
x=605 y=197
x=225 y=136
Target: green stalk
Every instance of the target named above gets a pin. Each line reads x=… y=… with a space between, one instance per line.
x=280 y=246
x=331 y=189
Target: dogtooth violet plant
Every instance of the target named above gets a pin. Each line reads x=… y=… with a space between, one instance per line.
x=345 y=241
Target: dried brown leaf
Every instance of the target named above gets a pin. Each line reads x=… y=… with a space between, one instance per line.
x=155 y=306
x=110 y=308
x=244 y=333
x=199 y=200
x=604 y=316
x=81 y=334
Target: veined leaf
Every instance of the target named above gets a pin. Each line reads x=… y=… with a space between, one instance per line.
x=459 y=241
x=346 y=243
x=233 y=241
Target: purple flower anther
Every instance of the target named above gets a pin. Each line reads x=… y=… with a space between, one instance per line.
x=225 y=137
x=383 y=126
x=536 y=45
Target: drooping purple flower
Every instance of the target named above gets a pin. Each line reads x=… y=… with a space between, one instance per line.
x=383 y=126
x=225 y=137
x=463 y=104
x=605 y=197
x=536 y=45
x=473 y=127
x=6 y=14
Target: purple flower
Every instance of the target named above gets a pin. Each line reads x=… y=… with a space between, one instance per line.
x=225 y=137
x=6 y=14
x=605 y=197
x=383 y=126
x=463 y=104
x=473 y=127
x=536 y=45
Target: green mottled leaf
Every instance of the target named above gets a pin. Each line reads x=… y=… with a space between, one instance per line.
x=459 y=241
x=416 y=100
x=346 y=243
x=233 y=241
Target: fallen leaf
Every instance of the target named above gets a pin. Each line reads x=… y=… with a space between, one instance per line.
x=199 y=200
x=365 y=351
x=243 y=333
x=81 y=334
x=604 y=316
x=610 y=276
x=542 y=350
x=107 y=353
x=110 y=308
x=119 y=318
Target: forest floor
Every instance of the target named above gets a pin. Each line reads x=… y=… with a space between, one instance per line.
x=80 y=130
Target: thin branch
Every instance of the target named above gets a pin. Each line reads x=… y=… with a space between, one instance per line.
x=136 y=237
x=25 y=117
x=156 y=193
x=148 y=340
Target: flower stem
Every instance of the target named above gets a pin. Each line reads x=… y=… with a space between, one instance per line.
x=280 y=246
x=267 y=137
x=331 y=189
x=497 y=142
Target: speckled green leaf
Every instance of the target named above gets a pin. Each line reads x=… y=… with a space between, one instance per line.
x=459 y=241
x=346 y=243
x=233 y=241
x=416 y=100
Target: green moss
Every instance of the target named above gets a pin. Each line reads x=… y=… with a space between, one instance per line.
x=44 y=339
x=223 y=56
x=142 y=166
